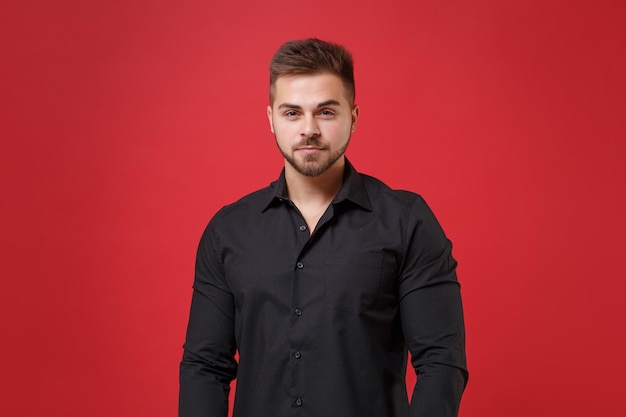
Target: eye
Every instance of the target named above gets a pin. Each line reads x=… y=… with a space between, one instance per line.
x=290 y=114
x=326 y=113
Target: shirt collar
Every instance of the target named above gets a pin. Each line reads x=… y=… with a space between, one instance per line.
x=352 y=189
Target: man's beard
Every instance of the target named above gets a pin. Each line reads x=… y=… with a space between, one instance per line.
x=314 y=165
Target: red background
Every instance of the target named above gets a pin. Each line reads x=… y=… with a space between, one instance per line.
x=126 y=124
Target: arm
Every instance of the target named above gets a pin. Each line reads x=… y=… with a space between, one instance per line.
x=432 y=317
x=208 y=365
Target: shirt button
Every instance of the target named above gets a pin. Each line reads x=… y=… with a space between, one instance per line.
x=297 y=311
x=297 y=355
x=302 y=228
x=298 y=402
x=300 y=265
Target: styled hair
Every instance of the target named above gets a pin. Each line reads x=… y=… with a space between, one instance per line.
x=313 y=56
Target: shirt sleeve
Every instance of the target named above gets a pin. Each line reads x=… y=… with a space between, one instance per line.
x=208 y=365
x=432 y=316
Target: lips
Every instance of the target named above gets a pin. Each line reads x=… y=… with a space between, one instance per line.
x=309 y=149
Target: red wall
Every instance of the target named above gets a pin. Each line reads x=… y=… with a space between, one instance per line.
x=126 y=124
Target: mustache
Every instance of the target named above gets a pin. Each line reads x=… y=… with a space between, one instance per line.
x=312 y=141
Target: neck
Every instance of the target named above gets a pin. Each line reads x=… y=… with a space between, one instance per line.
x=319 y=190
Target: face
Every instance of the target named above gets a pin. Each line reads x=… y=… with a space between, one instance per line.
x=312 y=121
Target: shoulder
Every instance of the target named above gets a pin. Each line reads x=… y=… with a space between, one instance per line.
x=245 y=209
x=381 y=195
x=237 y=215
x=256 y=201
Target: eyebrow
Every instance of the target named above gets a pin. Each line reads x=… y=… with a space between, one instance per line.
x=322 y=104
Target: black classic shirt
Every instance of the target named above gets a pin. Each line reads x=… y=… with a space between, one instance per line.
x=322 y=321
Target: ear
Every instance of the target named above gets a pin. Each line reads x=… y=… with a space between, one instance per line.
x=269 y=118
x=355 y=117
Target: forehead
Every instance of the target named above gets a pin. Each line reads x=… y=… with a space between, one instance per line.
x=309 y=89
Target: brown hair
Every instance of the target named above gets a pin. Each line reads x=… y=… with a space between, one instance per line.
x=313 y=56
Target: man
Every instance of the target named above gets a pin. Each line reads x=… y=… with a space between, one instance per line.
x=324 y=279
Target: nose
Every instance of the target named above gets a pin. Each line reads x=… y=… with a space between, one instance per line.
x=310 y=128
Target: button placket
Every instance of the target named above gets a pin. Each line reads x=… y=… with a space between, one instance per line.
x=303 y=238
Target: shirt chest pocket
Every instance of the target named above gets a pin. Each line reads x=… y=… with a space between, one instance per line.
x=353 y=281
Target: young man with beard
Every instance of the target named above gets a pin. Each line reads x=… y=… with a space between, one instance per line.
x=323 y=280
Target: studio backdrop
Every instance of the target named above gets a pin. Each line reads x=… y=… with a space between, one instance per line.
x=126 y=125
